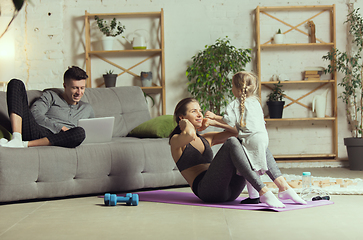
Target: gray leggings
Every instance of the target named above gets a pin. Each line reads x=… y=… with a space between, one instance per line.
x=220 y=183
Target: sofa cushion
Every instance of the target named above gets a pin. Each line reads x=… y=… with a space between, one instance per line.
x=126 y=104
x=159 y=127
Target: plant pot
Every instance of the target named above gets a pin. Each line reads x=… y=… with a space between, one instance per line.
x=110 y=80
x=146 y=82
x=275 y=108
x=146 y=79
x=279 y=38
x=355 y=153
x=107 y=43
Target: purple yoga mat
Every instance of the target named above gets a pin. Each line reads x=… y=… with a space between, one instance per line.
x=187 y=198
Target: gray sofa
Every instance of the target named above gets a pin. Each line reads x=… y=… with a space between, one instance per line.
x=124 y=164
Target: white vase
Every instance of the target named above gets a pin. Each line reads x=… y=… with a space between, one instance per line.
x=107 y=43
x=146 y=82
x=279 y=39
x=146 y=79
x=319 y=104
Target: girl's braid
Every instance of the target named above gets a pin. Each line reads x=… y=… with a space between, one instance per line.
x=242 y=102
x=247 y=82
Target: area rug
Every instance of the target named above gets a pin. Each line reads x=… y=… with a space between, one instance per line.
x=188 y=198
x=331 y=186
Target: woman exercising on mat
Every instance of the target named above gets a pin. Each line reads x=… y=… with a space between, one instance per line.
x=217 y=180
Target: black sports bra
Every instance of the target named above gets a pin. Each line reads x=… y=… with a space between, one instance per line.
x=192 y=157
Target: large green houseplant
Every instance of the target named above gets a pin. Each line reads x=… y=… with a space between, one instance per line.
x=351 y=65
x=210 y=73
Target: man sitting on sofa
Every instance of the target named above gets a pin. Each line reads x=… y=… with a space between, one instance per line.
x=52 y=119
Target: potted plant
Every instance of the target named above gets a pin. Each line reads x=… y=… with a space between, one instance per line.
x=110 y=29
x=279 y=37
x=110 y=78
x=209 y=75
x=274 y=102
x=351 y=65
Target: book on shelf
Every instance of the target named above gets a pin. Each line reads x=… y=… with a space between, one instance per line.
x=313 y=75
x=313 y=72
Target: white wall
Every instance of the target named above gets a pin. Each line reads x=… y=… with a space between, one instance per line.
x=49 y=36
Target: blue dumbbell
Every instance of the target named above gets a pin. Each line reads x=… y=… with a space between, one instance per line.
x=107 y=198
x=113 y=199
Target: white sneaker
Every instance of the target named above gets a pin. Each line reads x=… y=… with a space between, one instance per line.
x=3 y=141
x=14 y=143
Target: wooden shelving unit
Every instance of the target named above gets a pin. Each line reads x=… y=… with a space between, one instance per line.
x=149 y=53
x=272 y=12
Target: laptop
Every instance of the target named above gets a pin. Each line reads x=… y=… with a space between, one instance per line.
x=98 y=130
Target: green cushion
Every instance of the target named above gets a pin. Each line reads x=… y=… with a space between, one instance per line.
x=159 y=127
x=4 y=133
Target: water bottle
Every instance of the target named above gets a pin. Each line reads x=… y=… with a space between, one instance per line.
x=306 y=180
